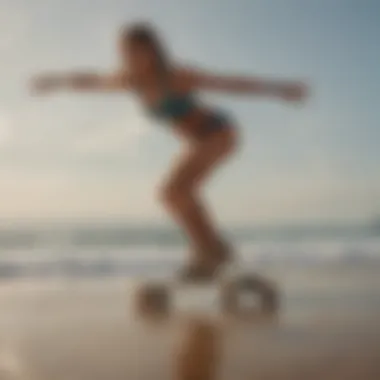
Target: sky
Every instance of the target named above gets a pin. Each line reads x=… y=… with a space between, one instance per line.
x=99 y=156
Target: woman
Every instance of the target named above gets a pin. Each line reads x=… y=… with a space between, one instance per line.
x=167 y=91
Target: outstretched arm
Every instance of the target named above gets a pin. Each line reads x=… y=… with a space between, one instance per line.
x=288 y=90
x=81 y=81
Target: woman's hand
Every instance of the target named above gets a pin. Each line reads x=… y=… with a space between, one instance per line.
x=45 y=83
x=293 y=92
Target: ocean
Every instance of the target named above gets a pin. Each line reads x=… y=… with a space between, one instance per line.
x=116 y=249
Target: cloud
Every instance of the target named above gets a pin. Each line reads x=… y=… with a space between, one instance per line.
x=59 y=195
x=289 y=198
x=112 y=138
x=14 y=22
x=5 y=129
x=29 y=129
x=71 y=139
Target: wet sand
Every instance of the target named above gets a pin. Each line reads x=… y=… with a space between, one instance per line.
x=329 y=328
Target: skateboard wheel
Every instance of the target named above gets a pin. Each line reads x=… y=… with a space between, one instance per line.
x=261 y=295
x=153 y=300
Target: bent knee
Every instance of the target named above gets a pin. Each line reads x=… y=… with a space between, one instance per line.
x=173 y=194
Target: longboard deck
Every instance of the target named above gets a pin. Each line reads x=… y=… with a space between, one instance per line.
x=236 y=294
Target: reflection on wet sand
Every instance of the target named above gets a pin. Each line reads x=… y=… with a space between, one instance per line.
x=209 y=353
x=86 y=331
x=199 y=353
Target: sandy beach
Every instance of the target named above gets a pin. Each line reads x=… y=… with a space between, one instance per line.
x=86 y=329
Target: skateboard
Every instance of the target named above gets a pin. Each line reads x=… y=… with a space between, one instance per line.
x=239 y=295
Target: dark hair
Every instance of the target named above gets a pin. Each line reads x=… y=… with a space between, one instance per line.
x=144 y=34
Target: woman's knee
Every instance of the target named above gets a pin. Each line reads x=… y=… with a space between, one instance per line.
x=174 y=195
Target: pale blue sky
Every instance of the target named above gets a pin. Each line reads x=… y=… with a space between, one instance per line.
x=98 y=156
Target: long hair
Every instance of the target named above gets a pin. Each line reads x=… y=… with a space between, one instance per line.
x=144 y=34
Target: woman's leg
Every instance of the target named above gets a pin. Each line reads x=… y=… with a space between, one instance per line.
x=181 y=191
x=190 y=212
